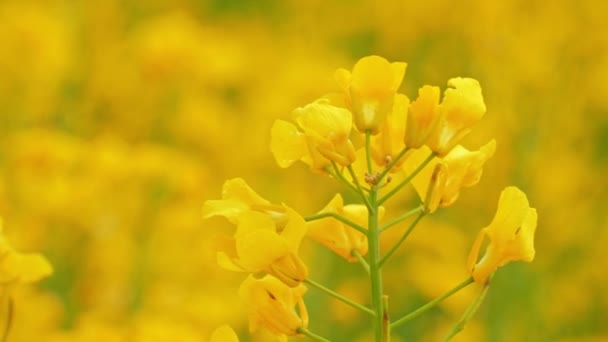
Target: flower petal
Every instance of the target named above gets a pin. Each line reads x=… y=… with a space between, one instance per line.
x=287 y=144
x=24 y=268
x=224 y=333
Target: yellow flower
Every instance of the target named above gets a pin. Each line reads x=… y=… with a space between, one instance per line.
x=272 y=305
x=439 y=183
x=324 y=137
x=337 y=236
x=237 y=198
x=21 y=268
x=257 y=246
x=224 y=333
x=370 y=90
x=462 y=106
x=389 y=141
x=288 y=145
x=279 y=229
x=422 y=116
x=511 y=235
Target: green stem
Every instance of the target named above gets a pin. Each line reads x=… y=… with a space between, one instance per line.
x=402 y=218
x=468 y=314
x=368 y=147
x=358 y=185
x=386 y=321
x=337 y=217
x=388 y=168
x=338 y=175
x=361 y=260
x=339 y=296
x=407 y=180
x=312 y=335
x=373 y=240
x=431 y=304
x=403 y=237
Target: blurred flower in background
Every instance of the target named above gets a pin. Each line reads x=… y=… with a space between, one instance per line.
x=118 y=119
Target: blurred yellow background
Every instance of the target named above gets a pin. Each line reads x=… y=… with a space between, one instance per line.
x=118 y=119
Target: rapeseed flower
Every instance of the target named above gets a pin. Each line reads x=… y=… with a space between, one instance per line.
x=258 y=246
x=279 y=229
x=387 y=144
x=238 y=197
x=442 y=125
x=272 y=306
x=511 y=235
x=20 y=268
x=461 y=108
x=338 y=236
x=370 y=90
x=323 y=139
x=422 y=116
x=439 y=183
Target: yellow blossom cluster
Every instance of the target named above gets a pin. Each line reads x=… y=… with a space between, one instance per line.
x=423 y=135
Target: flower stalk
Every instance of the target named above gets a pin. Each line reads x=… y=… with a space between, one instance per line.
x=339 y=297
x=468 y=314
x=373 y=238
x=361 y=260
x=426 y=307
x=386 y=321
x=403 y=237
x=390 y=166
x=407 y=180
x=402 y=218
x=337 y=217
x=312 y=335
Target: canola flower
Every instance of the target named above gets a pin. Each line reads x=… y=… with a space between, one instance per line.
x=324 y=140
x=423 y=135
x=272 y=306
x=440 y=182
x=442 y=125
x=17 y=268
x=370 y=89
x=511 y=235
x=279 y=234
x=339 y=235
x=21 y=268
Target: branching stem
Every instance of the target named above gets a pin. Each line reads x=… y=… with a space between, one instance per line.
x=312 y=335
x=339 y=296
x=403 y=237
x=407 y=179
x=402 y=218
x=431 y=304
x=337 y=217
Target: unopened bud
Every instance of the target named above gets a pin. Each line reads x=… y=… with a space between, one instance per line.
x=371 y=179
x=388 y=159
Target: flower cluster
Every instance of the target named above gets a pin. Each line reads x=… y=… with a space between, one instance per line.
x=417 y=142
x=266 y=240
x=371 y=104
